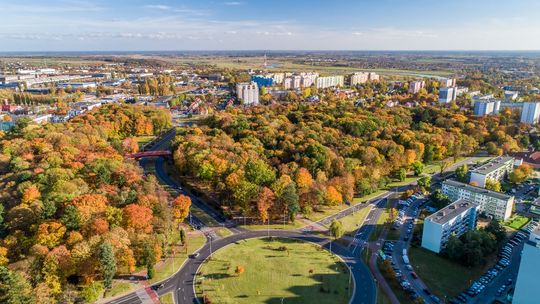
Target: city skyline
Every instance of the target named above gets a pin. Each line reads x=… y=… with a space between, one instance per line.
x=66 y=25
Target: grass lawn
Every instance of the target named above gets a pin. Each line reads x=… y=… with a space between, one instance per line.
x=119 y=288
x=303 y=273
x=203 y=216
x=166 y=269
x=517 y=222
x=316 y=216
x=287 y=226
x=167 y=298
x=353 y=221
x=447 y=278
x=143 y=140
x=223 y=232
x=402 y=296
x=381 y=222
x=382 y=298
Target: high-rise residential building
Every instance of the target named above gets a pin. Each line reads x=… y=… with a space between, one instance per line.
x=487 y=107
x=511 y=95
x=496 y=169
x=454 y=219
x=416 y=86
x=530 y=113
x=329 y=81
x=263 y=80
x=248 y=93
x=277 y=77
x=529 y=268
x=447 y=83
x=373 y=76
x=495 y=204
x=447 y=95
x=359 y=77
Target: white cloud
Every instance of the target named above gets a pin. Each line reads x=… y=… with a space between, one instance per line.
x=232 y=3
x=158 y=7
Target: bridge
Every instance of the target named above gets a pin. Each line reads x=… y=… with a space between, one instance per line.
x=156 y=153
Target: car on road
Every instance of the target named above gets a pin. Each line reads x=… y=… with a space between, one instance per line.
x=195 y=255
x=157 y=287
x=414 y=275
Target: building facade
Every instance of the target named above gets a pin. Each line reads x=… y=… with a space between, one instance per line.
x=496 y=169
x=447 y=95
x=330 y=81
x=454 y=219
x=262 y=80
x=491 y=107
x=248 y=93
x=530 y=113
x=359 y=77
x=529 y=267
x=416 y=86
x=447 y=82
x=494 y=204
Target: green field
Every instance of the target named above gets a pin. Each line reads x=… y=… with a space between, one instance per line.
x=447 y=278
x=327 y=211
x=517 y=222
x=353 y=221
x=168 y=268
x=166 y=298
x=274 y=271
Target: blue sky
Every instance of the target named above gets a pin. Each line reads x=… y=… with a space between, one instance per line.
x=98 y=25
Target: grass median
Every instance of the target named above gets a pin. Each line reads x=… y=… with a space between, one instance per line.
x=274 y=270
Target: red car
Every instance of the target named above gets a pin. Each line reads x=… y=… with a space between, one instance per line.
x=413 y=274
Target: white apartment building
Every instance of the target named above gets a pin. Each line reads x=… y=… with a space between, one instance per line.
x=487 y=107
x=496 y=169
x=359 y=77
x=494 y=204
x=529 y=267
x=447 y=82
x=456 y=218
x=248 y=93
x=447 y=95
x=530 y=113
x=330 y=81
x=277 y=77
x=374 y=76
x=416 y=86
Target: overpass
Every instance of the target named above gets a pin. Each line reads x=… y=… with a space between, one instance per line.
x=155 y=153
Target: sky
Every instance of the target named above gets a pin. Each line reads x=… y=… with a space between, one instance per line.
x=154 y=25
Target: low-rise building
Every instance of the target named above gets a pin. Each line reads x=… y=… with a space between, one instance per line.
x=496 y=169
x=454 y=219
x=416 y=86
x=529 y=267
x=493 y=204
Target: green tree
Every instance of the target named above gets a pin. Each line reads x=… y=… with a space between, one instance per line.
x=461 y=173
x=454 y=248
x=107 y=263
x=71 y=218
x=402 y=174
x=418 y=168
x=259 y=172
x=290 y=198
x=182 y=236
x=336 y=229
x=425 y=182
x=493 y=185
x=14 y=288
x=149 y=260
x=92 y=292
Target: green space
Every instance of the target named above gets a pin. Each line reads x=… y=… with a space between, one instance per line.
x=516 y=222
x=167 y=298
x=401 y=295
x=274 y=270
x=119 y=288
x=447 y=278
x=381 y=222
x=223 y=232
x=286 y=226
x=203 y=216
x=353 y=221
x=316 y=216
x=174 y=262
x=143 y=140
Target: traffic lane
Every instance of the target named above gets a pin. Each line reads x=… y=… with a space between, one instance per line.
x=510 y=272
x=132 y=298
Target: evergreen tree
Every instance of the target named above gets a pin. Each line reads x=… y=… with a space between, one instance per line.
x=108 y=263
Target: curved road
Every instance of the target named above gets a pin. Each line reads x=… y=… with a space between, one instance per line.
x=181 y=284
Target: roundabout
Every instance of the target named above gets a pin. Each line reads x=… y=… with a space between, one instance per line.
x=274 y=270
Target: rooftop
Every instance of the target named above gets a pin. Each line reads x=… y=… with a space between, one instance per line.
x=468 y=187
x=493 y=165
x=451 y=211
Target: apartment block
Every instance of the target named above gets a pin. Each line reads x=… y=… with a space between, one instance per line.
x=359 y=77
x=330 y=81
x=447 y=95
x=530 y=113
x=496 y=169
x=529 y=267
x=489 y=107
x=447 y=83
x=416 y=86
x=454 y=219
x=494 y=204
x=248 y=93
